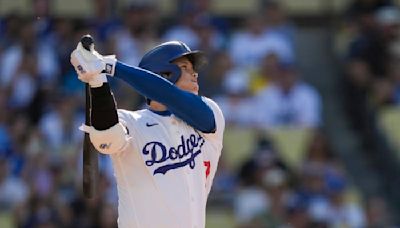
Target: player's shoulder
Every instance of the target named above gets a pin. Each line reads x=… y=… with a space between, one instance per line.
x=210 y=102
x=214 y=106
x=131 y=115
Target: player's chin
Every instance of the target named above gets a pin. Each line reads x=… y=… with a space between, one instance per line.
x=192 y=88
x=195 y=89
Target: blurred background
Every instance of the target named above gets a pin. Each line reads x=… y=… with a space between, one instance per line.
x=310 y=90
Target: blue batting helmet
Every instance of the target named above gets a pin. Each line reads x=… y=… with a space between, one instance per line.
x=159 y=59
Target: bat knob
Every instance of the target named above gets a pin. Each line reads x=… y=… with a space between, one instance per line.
x=87 y=41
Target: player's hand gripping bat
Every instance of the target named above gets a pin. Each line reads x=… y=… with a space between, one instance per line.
x=90 y=157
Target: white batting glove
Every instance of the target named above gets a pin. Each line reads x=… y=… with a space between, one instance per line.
x=92 y=67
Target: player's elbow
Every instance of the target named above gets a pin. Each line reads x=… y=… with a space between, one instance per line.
x=208 y=125
x=209 y=128
x=110 y=141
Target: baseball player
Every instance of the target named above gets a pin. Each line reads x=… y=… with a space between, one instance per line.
x=164 y=157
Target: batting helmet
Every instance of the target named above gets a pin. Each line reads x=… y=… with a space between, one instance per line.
x=159 y=59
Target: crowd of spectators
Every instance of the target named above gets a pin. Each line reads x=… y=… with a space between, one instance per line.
x=369 y=55
x=371 y=52
x=252 y=74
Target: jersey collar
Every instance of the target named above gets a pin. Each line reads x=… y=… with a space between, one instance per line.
x=161 y=113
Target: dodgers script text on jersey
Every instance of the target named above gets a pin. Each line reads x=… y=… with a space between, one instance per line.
x=181 y=155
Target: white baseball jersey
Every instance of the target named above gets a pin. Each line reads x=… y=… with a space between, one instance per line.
x=165 y=173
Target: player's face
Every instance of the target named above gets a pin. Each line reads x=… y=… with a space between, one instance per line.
x=188 y=79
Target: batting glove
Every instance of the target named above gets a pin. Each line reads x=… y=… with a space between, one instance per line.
x=92 y=67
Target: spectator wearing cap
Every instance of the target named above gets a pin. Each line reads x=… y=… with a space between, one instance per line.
x=288 y=101
x=342 y=212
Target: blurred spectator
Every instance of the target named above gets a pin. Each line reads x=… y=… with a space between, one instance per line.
x=342 y=212
x=24 y=83
x=233 y=96
x=12 y=58
x=359 y=9
x=63 y=38
x=371 y=54
x=377 y=212
x=250 y=44
x=203 y=8
x=268 y=71
x=264 y=188
x=277 y=22
x=11 y=25
x=296 y=212
x=59 y=125
x=44 y=21
x=210 y=40
x=137 y=34
x=5 y=139
x=250 y=199
x=288 y=101
x=19 y=134
x=104 y=21
x=325 y=188
x=13 y=191
x=184 y=28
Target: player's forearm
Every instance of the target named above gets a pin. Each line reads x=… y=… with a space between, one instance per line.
x=104 y=111
x=107 y=135
x=187 y=106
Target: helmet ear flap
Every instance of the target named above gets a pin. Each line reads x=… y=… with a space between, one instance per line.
x=169 y=71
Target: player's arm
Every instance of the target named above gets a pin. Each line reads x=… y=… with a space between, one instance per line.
x=104 y=110
x=107 y=134
x=185 y=105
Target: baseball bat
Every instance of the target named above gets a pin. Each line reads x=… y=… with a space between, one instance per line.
x=90 y=156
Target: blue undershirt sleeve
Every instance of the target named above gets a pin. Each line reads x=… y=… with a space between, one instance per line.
x=187 y=106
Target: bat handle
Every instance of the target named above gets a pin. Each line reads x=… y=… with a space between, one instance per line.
x=87 y=42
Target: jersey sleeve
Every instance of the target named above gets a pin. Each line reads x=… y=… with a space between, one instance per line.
x=109 y=141
x=211 y=157
x=216 y=136
x=126 y=118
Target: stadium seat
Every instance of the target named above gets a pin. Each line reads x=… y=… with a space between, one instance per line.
x=291 y=144
x=389 y=120
x=239 y=143
x=218 y=218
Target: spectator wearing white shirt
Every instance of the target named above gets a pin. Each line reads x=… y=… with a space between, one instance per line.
x=288 y=101
x=342 y=212
x=250 y=45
